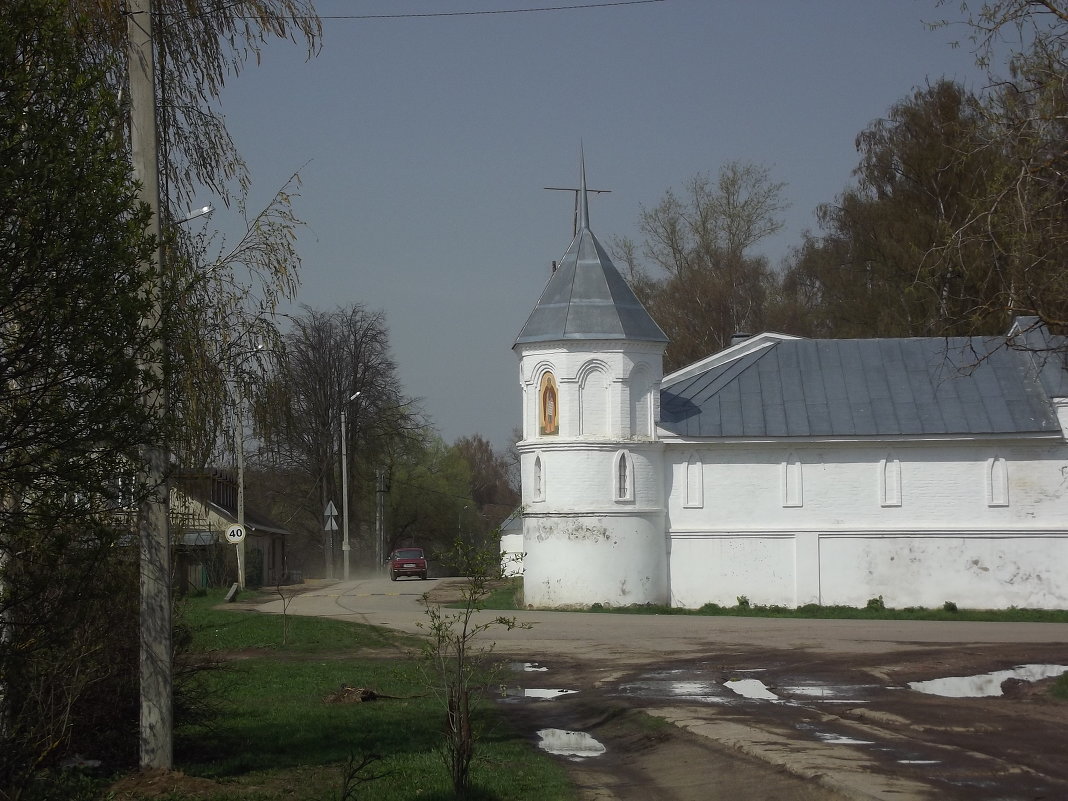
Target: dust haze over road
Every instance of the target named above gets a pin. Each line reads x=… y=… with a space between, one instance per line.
x=834 y=718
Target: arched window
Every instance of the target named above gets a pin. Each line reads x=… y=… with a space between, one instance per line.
x=791 y=481
x=695 y=490
x=624 y=476
x=593 y=402
x=538 y=476
x=997 y=482
x=890 y=481
x=640 y=400
x=548 y=406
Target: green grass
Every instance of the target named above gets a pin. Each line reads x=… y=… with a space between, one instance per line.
x=274 y=737
x=506 y=596
x=1060 y=687
x=814 y=611
x=215 y=629
x=874 y=610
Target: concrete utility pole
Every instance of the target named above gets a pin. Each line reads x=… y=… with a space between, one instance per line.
x=157 y=723
x=345 y=545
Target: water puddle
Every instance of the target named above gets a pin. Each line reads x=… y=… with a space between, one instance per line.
x=707 y=692
x=985 y=685
x=527 y=667
x=533 y=692
x=840 y=739
x=841 y=694
x=574 y=744
x=751 y=688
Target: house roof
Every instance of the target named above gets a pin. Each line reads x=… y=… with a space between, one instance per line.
x=784 y=387
x=586 y=297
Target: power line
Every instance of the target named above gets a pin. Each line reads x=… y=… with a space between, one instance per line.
x=414 y=15
x=532 y=10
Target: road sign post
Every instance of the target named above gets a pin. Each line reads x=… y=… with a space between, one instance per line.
x=330 y=526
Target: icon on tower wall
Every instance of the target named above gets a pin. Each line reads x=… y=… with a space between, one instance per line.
x=548 y=406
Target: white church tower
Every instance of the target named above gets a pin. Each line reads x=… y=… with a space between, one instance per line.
x=591 y=362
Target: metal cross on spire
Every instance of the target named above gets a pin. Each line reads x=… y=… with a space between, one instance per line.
x=581 y=209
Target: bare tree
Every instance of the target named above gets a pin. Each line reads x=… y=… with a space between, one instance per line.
x=334 y=360
x=707 y=285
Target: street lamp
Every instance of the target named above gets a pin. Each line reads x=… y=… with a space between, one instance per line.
x=203 y=211
x=345 y=547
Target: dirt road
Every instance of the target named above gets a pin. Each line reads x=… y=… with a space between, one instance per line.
x=694 y=708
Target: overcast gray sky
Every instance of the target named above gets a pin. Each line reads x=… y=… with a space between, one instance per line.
x=424 y=143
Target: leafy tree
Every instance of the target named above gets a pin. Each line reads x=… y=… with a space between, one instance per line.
x=72 y=416
x=881 y=267
x=707 y=285
x=491 y=480
x=429 y=490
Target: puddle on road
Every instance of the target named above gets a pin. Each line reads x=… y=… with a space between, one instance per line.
x=508 y=693
x=707 y=692
x=695 y=686
x=751 y=688
x=984 y=685
x=574 y=744
x=839 y=694
x=840 y=739
x=528 y=667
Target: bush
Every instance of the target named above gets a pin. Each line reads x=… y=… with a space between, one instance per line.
x=876 y=604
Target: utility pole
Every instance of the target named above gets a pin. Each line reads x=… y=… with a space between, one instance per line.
x=380 y=516
x=345 y=545
x=157 y=721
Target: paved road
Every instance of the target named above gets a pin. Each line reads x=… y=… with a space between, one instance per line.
x=644 y=637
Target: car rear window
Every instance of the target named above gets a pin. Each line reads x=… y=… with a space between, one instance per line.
x=408 y=553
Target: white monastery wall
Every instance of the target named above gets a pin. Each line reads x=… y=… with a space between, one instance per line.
x=981 y=524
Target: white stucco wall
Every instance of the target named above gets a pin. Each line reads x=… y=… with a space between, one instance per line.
x=944 y=530
x=584 y=540
x=512 y=554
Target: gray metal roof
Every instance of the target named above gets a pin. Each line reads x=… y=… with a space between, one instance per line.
x=1048 y=353
x=863 y=387
x=586 y=297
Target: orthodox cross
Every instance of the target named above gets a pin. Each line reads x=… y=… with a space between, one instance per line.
x=577 y=191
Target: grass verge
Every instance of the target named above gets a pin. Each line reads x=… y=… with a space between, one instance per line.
x=505 y=598
x=274 y=736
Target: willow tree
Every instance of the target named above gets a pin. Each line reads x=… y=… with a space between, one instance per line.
x=72 y=381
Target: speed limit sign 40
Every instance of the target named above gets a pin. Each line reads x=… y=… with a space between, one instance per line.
x=235 y=534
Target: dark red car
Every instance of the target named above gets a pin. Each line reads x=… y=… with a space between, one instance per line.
x=407 y=562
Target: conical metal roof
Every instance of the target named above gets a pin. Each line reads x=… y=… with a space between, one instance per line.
x=586 y=297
